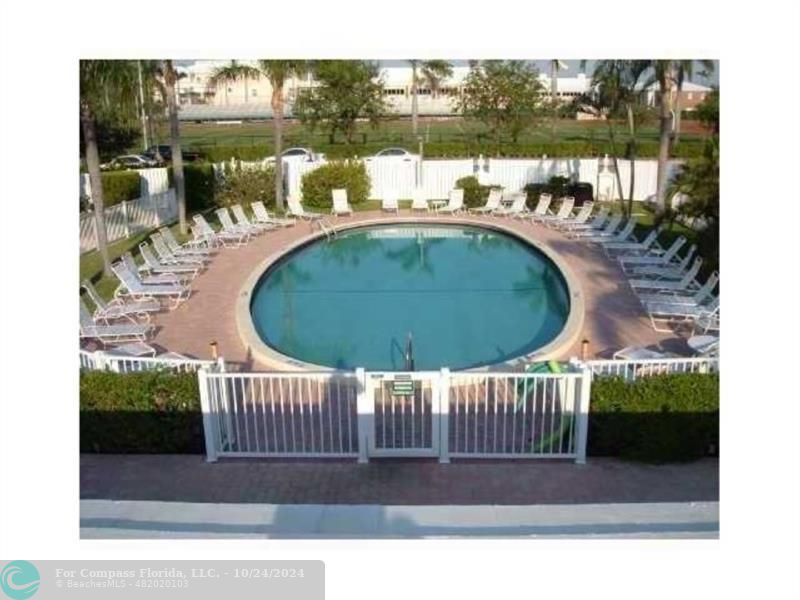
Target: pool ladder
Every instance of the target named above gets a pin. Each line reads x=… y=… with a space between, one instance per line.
x=327 y=228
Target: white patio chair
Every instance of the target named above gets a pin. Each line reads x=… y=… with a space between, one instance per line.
x=131 y=286
x=634 y=247
x=166 y=256
x=296 y=209
x=111 y=332
x=455 y=202
x=224 y=238
x=698 y=297
x=564 y=212
x=670 y=271
x=116 y=308
x=542 y=207
x=231 y=228
x=418 y=201
x=580 y=218
x=262 y=216
x=190 y=248
x=518 y=208
x=492 y=203
x=153 y=265
x=149 y=277
x=340 y=204
x=686 y=282
x=606 y=236
x=678 y=314
x=390 y=202
x=654 y=258
x=245 y=223
x=596 y=223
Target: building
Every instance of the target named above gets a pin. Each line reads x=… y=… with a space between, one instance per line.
x=690 y=96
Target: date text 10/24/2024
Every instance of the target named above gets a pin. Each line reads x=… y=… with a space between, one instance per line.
x=193 y=573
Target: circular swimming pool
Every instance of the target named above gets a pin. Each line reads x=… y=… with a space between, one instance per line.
x=467 y=296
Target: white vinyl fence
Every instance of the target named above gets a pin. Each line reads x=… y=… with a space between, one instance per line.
x=437 y=177
x=130 y=217
x=105 y=361
x=633 y=369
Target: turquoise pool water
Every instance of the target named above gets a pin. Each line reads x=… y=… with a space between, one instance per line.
x=469 y=296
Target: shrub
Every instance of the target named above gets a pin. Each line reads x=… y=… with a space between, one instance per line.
x=120 y=186
x=475 y=194
x=145 y=412
x=243 y=186
x=655 y=419
x=217 y=154
x=317 y=184
x=200 y=185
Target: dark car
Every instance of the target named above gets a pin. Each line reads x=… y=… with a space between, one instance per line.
x=165 y=150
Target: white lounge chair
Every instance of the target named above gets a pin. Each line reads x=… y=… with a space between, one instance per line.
x=580 y=218
x=698 y=297
x=262 y=216
x=243 y=221
x=340 y=204
x=131 y=286
x=492 y=203
x=116 y=308
x=419 y=201
x=686 y=282
x=224 y=238
x=166 y=256
x=231 y=228
x=296 y=209
x=683 y=313
x=542 y=207
x=655 y=257
x=634 y=247
x=620 y=236
x=607 y=231
x=518 y=208
x=150 y=277
x=153 y=265
x=640 y=353
x=670 y=271
x=111 y=332
x=390 y=202
x=455 y=202
x=564 y=212
x=190 y=248
x=596 y=223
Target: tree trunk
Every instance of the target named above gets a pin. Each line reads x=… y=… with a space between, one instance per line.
x=93 y=165
x=414 y=106
x=677 y=133
x=615 y=161
x=665 y=122
x=175 y=145
x=553 y=94
x=277 y=123
x=631 y=157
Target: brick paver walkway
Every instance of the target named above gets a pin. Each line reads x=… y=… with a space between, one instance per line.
x=613 y=317
x=187 y=478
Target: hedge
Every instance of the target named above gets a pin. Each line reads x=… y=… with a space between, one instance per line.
x=316 y=185
x=199 y=181
x=465 y=149
x=475 y=194
x=147 y=412
x=120 y=186
x=664 y=418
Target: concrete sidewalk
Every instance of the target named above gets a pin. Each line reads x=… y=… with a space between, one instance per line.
x=102 y=519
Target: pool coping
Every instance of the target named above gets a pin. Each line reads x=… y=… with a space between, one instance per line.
x=273 y=359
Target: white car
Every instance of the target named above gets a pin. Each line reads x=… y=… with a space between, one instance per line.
x=394 y=153
x=301 y=154
x=130 y=161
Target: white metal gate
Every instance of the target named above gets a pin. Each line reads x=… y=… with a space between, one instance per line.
x=406 y=413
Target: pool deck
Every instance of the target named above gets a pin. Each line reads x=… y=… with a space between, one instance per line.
x=613 y=316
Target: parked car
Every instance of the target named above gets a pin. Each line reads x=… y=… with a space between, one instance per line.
x=129 y=161
x=394 y=153
x=165 y=150
x=298 y=154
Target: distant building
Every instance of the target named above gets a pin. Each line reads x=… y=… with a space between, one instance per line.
x=690 y=96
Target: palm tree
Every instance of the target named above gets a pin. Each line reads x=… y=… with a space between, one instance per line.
x=107 y=88
x=231 y=73
x=555 y=66
x=170 y=78
x=433 y=72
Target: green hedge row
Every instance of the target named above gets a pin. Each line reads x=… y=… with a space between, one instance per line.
x=475 y=194
x=200 y=185
x=567 y=149
x=664 y=418
x=148 y=413
x=316 y=185
x=120 y=186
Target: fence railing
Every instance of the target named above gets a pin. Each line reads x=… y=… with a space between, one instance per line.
x=104 y=361
x=633 y=369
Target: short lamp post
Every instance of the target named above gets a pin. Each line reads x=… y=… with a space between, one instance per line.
x=584 y=349
x=214 y=350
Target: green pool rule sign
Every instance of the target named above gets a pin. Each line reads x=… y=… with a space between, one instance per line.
x=402 y=385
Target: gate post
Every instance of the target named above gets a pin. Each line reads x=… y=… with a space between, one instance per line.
x=208 y=416
x=582 y=414
x=364 y=410
x=443 y=415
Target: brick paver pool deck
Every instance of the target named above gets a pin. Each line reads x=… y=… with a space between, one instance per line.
x=613 y=316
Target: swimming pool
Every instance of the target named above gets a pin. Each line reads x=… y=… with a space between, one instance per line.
x=469 y=296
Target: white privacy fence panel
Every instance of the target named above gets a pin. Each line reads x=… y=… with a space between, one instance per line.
x=294 y=172
x=104 y=361
x=631 y=370
x=280 y=414
x=511 y=415
x=392 y=174
x=440 y=176
x=645 y=177
x=128 y=218
x=153 y=181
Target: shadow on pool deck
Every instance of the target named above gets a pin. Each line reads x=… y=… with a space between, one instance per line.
x=188 y=478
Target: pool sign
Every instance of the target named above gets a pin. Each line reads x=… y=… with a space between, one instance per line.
x=402 y=385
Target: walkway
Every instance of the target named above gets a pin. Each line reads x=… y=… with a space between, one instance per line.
x=613 y=318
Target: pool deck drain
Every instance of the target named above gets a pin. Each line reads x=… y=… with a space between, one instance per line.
x=613 y=317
